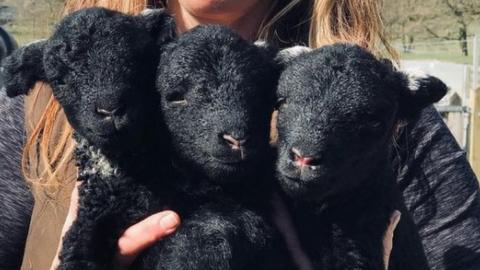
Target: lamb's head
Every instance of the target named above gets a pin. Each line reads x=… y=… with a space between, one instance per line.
x=101 y=66
x=338 y=109
x=216 y=97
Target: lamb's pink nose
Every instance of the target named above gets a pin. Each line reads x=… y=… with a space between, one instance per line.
x=301 y=160
x=234 y=143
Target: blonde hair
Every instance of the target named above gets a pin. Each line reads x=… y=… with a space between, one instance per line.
x=48 y=152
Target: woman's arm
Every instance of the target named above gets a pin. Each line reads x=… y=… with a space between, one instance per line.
x=441 y=191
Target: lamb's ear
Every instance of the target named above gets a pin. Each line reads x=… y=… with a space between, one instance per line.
x=388 y=64
x=285 y=56
x=159 y=23
x=23 y=68
x=419 y=91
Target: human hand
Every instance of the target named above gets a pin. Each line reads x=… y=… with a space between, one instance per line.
x=134 y=240
x=388 y=238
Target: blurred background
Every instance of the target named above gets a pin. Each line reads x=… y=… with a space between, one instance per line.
x=29 y=20
x=440 y=37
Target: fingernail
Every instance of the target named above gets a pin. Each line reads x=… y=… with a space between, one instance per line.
x=169 y=221
x=396 y=216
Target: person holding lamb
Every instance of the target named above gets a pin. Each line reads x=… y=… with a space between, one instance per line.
x=440 y=190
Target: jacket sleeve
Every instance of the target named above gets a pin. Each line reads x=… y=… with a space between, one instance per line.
x=16 y=200
x=441 y=192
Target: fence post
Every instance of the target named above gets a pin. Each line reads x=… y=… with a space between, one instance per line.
x=476 y=61
x=474 y=149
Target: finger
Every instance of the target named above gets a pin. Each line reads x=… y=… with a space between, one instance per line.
x=144 y=234
x=395 y=219
x=73 y=208
x=388 y=238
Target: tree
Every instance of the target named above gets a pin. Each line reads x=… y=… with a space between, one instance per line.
x=427 y=19
x=464 y=12
x=400 y=21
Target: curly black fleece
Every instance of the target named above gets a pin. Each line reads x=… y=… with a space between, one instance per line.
x=338 y=110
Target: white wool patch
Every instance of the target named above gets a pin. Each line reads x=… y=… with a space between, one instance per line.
x=147 y=12
x=261 y=43
x=415 y=76
x=288 y=54
x=100 y=164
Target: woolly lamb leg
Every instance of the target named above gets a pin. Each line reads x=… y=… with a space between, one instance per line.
x=106 y=207
x=348 y=256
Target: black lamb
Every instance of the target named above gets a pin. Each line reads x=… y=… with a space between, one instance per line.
x=101 y=66
x=216 y=99
x=339 y=108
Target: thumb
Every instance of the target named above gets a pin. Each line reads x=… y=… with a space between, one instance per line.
x=388 y=238
x=144 y=234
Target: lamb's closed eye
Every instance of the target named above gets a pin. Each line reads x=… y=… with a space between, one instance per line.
x=376 y=121
x=371 y=126
x=176 y=98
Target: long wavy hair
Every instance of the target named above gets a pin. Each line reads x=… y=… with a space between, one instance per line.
x=48 y=153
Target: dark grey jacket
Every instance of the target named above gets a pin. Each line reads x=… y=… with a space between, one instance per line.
x=441 y=191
